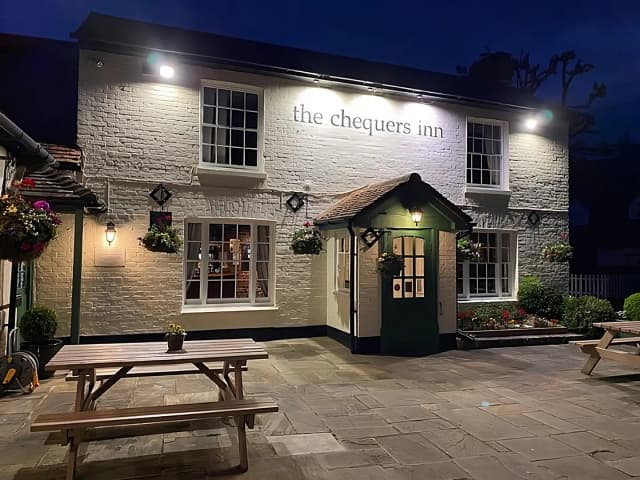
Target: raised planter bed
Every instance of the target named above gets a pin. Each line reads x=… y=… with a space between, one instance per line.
x=510 y=337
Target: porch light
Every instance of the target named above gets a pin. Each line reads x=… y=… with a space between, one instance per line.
x=531 y=123
x=110 y=232
x=166 y=71
x=416 y=214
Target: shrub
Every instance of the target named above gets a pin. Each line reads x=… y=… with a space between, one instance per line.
x=539 y=299
x=579 y=313
x=38 y=325
x=632 y=307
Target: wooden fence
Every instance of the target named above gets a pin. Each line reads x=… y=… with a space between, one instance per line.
x=598 y=285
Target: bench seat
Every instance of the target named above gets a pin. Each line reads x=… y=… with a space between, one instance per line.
x=154 y=371
x=74 y=424
x=589 y=346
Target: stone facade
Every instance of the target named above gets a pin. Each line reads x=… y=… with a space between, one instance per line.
x=136 y=133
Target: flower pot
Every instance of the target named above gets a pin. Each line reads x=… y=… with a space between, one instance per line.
x=44 y=352
x=175 y=342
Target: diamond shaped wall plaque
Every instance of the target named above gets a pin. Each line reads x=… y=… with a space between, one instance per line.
x=533 y=218
x=160 y=194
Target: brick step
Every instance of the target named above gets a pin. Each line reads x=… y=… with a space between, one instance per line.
x=468 y=342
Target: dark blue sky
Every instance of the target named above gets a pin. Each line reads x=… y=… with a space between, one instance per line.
x=426 y=34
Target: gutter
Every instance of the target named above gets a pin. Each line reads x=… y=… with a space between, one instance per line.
x=25 y=148
x=352 y=283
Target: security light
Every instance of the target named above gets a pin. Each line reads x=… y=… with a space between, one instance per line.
x=166 y=71
x=531 y=123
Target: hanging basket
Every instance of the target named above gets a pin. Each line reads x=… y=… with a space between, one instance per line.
x=558 y=252
x=466 y=249
x=390 y=264
x=306 y=241
x=25 y=228
x=161 y=239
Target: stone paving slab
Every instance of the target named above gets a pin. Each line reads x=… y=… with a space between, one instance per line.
x=511 y=413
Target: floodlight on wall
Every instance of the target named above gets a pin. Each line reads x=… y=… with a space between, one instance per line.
x=110 y=232
x=166 y=71
x=416 y=214
x=296 y=201
x=531 y=123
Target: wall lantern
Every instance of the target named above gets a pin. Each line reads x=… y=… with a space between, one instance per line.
x=416 y=214
x=296 y=201
x=110 y=232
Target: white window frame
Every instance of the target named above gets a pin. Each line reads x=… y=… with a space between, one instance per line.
x=347 y=253
x=513 y=250
x=504 y=162
x=233 y=169
x=252 y=301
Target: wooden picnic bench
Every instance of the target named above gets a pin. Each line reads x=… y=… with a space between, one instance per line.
x=97 y=367
x=598 y=349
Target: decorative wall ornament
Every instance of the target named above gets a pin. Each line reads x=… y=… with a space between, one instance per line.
x=533 y=218
x=160 y=194
x=370 y=236
x=296 y=201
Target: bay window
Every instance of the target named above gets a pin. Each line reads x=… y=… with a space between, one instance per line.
x=493 y=273
x=228 y=261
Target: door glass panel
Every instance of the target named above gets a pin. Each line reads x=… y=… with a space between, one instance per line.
x=408 y=266
x=410 y=283
x=397 y=246
x=419 y=246
x=408 y=246
x=408 y=287
x=397 y=288
x=419 y=267
x=419 y=287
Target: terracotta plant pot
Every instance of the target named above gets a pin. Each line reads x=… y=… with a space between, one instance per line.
x=175 y=342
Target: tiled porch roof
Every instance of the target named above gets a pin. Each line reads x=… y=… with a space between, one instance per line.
x=70 y=158
x=359 y=199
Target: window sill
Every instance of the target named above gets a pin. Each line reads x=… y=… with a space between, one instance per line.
x=486 y=191
x=487 y=300
x=187 y=309
x=229 y=176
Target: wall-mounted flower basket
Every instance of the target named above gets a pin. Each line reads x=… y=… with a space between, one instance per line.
x=161 y=239
x=306 y=241
x=25 y=228
x=466 y=249
x=558 y=252
x=390 y=264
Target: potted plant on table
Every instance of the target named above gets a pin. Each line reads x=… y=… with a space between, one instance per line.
x=175 y=337
x=37 y=329
x=390 y=263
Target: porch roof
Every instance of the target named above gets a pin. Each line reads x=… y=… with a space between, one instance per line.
x=362 y=199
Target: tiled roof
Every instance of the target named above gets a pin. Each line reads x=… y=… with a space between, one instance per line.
x=68 y=157
x=357 y=200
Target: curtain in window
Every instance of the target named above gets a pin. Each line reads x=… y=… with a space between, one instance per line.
x=262 y=260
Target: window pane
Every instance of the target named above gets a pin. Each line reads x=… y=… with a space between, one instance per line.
x=262 y=288
x=207 y=152
x=222 y=155
x=193 y=232
x=237 y=155
x=263 y=233
x=237 y=138
x=251 y=139
x=252 y=120
x=237 y=118
x=419 y=287
x=223 y=136
x=397 y=288
x=408 y=245
x=192 y=290
x=209 y=96
x=408 y=266
x=397 y=246
x=193 y=251
x=251 y=158
x=419 y=267
x=252 y=101
x=209 y=115
x=224 y=98
x=207 y=135
x=237 y=100
x=484 y=154
x=419 y=246
x=224 y=117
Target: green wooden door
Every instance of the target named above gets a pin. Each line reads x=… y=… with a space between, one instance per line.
x=409 y=321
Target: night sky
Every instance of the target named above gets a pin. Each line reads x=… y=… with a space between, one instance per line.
x=425 y=34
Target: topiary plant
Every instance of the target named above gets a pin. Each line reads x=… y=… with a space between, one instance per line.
x=580 y=313
x=632 y=307
x=38 y=325
x=539 y=299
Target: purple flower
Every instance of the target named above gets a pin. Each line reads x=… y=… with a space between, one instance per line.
x=42 y=205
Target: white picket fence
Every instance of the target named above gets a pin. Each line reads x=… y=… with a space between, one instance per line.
x=598 y=285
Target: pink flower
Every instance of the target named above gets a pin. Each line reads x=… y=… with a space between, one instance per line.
x=42 y=205
x=38 y=246
x=27 y=182
x=25 y=246
x=505 y=314
x=306 y=224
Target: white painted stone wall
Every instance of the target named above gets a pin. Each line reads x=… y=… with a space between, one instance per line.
x=136 y=133
x=447 y=282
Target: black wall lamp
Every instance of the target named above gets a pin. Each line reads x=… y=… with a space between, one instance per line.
x=296 y=201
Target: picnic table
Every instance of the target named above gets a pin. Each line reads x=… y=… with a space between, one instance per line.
x=98 y=367
x=598 y=349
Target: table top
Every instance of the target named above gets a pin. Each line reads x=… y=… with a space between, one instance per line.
x=624 y=327
x=77 y=357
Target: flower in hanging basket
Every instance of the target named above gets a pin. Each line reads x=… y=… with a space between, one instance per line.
x=306 y=241
x=390 y=263
x=162 y=238
x=558 y=252
x=25 y=228
x=467 y=249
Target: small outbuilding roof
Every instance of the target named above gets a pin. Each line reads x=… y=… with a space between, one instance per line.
x=360 y=200
x=69 y=158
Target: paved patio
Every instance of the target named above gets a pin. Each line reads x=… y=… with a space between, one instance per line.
x=511 y=413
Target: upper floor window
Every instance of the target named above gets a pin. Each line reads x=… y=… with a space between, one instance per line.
x=228 y=261
x=230 y=127
x=342 y=263
x=485 y=153
x=493 y=274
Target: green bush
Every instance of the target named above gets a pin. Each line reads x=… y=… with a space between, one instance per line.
x=539 y=299
x=38 y=325
x=579 y=313
x=632 y=307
